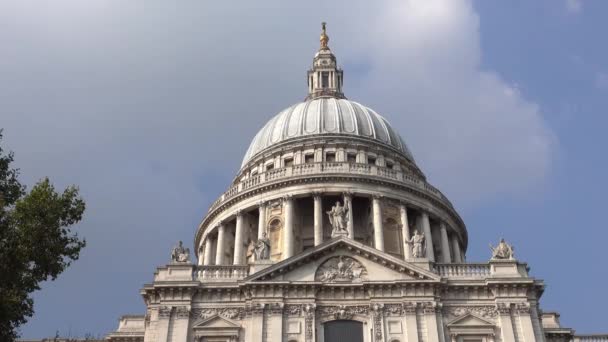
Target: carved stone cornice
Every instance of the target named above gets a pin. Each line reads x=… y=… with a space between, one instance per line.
x=164 y=311
x=410 y=307
x=503 y=308
x=276 y=308
x=523 y=308
x=182 y=312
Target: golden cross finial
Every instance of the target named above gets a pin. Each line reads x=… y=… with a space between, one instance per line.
x=324 y=37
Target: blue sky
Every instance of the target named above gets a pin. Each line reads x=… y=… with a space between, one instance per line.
x=150 y=108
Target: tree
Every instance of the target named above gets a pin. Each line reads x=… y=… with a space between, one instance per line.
x=36 y=242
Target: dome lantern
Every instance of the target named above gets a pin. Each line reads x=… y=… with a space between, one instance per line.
x=325 y=78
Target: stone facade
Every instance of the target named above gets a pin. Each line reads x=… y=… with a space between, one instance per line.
x=330 y=223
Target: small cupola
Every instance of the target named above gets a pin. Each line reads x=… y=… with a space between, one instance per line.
x=325 y=78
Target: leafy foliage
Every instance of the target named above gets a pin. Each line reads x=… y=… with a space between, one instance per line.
x=36 y=242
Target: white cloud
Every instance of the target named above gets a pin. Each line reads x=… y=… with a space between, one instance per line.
x=475 y=135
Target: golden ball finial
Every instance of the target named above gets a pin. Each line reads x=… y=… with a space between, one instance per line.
x=324 y=37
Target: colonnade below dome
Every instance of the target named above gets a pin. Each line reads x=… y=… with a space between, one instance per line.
x=294 y=224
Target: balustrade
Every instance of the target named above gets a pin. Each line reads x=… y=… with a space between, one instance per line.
x=463 y=270
x=327 y=168
x=218 y=273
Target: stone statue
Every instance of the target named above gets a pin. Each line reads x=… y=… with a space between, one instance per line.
x=180 y=254
x=262 y=248
x=251 y=251
x=338 y=217
x=417 y=242
x=503 y=251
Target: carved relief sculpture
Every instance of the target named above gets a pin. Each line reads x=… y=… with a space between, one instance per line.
x=341 y=269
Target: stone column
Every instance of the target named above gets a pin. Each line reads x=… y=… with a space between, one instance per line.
x=318 y=218
x=238 y=239
x=428 y=237
x=411 y=326
x=262 y=220
x=288 y=243
x=207 y=253
x=430 y=315
x=405 y=232
x=445 y=243
x=348 y=202
x=456 y=248
x=220 y=249
x=525 y=320
x=377 y=220
x=506 y=324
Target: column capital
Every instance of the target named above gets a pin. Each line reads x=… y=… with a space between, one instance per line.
x=317 y=194
x=377 y=196
x=287 y=197
x=262 y=204
x=238 y=213
x=220 y=223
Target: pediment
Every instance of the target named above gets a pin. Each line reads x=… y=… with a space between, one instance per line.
x=343 y=260
x=216 y=322
x=470 y=320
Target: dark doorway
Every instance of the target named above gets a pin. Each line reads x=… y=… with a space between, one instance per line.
x=343 y=331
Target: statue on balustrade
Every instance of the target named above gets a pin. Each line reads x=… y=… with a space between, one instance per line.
x=503 y=251
x=180 y=254
x=262 y=248
x=338 y=216
x=417 y=242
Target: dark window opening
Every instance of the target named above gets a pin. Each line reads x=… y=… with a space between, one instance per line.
x=269 y=167
x=371 y=160
x=351 y=158
x=309 y=159
x=324 y=79
x=288 y=162
x=330 y=157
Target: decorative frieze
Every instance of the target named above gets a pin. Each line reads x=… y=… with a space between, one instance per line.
x=487 y=311
x=341 y=269
x=226 y=312
x=343 y=311
x=182 y=312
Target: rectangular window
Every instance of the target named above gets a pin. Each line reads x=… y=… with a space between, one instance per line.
x=371 y=160
x=351 y=158
x=288 y=162
x=330 y=157
x=324 y=79
x=269 y=167
x=309 y=159
x=390 y=165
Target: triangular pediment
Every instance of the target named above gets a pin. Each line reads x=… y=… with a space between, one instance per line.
x=470 y=320
x=343 y=260
x=216 y=322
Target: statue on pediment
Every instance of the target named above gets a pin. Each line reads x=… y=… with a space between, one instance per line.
x=180 y=254
x=338 y=217
x=262 y=248
x=503 y=251
x=417 y=243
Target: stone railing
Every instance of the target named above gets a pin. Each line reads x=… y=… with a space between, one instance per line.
x=222 y=273
x=463 y=270
x=591 y=338
x=328 y=168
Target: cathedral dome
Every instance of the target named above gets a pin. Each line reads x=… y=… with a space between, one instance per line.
x=326 y=116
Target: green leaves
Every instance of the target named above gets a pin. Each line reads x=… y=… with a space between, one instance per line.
x=36 y=241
